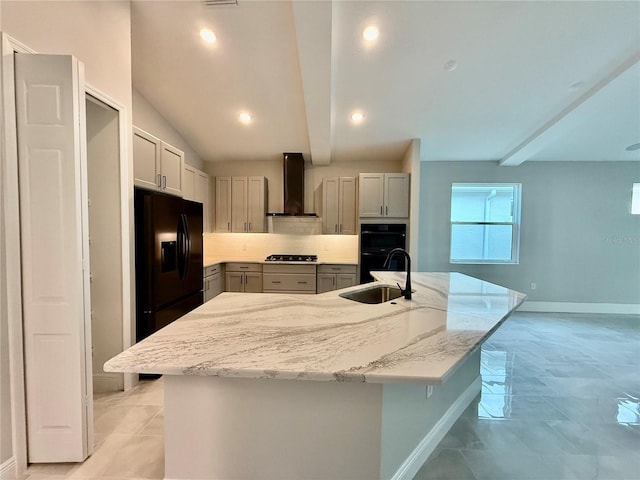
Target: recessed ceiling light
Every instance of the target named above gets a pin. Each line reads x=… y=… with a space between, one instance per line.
x=451 y=65
x=631 y=148
x=245 y=117
x=208 y=35
x=357 y=117
x=370 y=33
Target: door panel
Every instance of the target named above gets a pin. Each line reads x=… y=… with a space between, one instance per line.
x=330 y=195
x=193 y=280
x=55 y=258
x=166 y=216
x=347 y=205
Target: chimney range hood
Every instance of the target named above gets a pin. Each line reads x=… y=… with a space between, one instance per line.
x=293 y=186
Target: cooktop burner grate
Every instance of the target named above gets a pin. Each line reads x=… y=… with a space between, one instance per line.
x=291 y=258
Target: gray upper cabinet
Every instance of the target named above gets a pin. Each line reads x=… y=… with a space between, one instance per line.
x=384 y=195
x=241 y=204
x=156 y=164
x=339 y=205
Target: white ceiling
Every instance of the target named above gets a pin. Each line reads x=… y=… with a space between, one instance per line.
x=534 y=80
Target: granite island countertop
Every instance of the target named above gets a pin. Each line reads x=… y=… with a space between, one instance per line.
x=329 y=338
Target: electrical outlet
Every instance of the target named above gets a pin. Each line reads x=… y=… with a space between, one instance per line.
x=533 y=286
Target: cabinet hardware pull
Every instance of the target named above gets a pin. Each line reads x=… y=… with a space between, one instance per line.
x=249 y=226
x=335 y=228
x=302 y=283
x=228 y=226
x=380 y=209
x=245 y=226
x=243 y=266
x=275 y=281
x=164 y=181
x=386 y=210
x=159 y=181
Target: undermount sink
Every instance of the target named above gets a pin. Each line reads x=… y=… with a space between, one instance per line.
x=377 y=294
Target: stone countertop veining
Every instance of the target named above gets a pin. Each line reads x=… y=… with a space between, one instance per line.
x=329 y=338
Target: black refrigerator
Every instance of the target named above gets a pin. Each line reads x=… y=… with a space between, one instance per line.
x=168 y=251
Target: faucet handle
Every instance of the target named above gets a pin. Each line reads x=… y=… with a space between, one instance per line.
x=402 y=291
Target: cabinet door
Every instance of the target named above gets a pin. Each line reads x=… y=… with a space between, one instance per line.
x=201 y=194
x=344 y=280
x=223 y=204
x=207 y=293
x=256 y=205
x=234 y=282
x=325 y=282
x=238 y=204
x=396 y=193
x=330 y=201
x=252 y=282
x=172 y=169
x=189 y=183
x=347 y=205
x=215 y=285
x=146 y=160
x=371 y=194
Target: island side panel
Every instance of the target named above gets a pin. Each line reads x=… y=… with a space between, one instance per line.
x=271 y=429
x=413 y=425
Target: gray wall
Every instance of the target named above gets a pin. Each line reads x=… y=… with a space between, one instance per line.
x=579 y=242
x=146 y=117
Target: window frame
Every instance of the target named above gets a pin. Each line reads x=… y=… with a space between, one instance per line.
x=515 y=224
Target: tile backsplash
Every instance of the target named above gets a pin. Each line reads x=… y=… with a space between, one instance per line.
x=257 y=246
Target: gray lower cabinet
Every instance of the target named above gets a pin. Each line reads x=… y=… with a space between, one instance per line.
x=244 y=277
x=289 y=278
x=335 y=276
x=212 y=282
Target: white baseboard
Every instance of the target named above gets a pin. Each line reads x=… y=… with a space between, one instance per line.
x=570 y=307
x=8 y=469
x=428 y=444
x=108 y=382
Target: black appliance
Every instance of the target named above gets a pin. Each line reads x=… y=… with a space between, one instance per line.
x=291 y=258
x=376 y=241
x=293 y=181
x=168 y=250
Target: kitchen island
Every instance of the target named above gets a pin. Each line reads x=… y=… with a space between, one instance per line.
x=320 y=386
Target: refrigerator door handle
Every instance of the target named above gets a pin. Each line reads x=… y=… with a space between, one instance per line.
x=182 y=248
x=187 y=244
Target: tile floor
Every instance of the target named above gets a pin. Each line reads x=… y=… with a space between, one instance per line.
x=560 y=400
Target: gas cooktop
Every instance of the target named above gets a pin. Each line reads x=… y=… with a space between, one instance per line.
x=291 y=258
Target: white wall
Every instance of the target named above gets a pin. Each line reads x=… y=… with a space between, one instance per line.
x=146 y=117
x=579 y=243
x=104 y=220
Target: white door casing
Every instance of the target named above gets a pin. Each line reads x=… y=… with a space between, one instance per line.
x=50 y=98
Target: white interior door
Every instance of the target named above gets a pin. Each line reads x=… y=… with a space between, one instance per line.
x=50 y=99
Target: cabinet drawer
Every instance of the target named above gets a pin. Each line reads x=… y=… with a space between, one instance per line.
x=328 y=268
x=244 y=267
x=276 y=282
x=211 y=270
x=289 y=268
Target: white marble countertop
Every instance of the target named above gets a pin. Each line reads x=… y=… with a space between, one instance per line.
x=329 y=338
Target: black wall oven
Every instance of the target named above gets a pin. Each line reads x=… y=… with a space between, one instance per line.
x=376 y=241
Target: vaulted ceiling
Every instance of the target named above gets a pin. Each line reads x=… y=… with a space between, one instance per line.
x=480 y=80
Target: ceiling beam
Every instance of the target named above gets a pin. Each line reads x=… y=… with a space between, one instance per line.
x=551 y=130
x=313 y=32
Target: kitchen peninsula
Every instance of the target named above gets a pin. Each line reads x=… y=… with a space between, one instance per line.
x=320 y=386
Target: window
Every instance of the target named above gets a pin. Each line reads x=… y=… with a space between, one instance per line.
x=485 y=222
